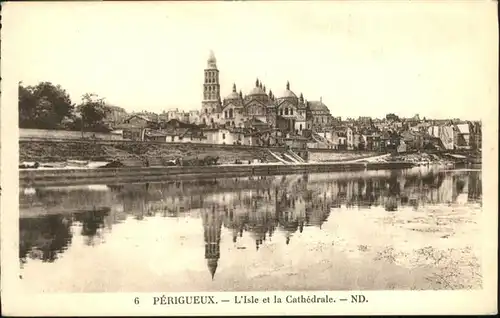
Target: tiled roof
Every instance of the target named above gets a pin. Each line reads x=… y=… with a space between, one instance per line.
x=318 y=106
x=143 y=117
x=127 y=126
x=255 y=121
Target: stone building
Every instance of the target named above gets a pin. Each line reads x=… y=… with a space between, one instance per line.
x=211 y=104
x=285 y=110
x=320 y=115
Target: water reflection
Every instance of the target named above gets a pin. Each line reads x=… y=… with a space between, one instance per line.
x=45 y=237
x=254 y=206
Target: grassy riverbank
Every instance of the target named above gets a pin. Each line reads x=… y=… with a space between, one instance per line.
x=137 y=153
x=134 y=153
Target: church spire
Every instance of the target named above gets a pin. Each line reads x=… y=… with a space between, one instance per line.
x=212 y=223
x=211 y=61
x=287 y=85
x=257 y=82
x=234 y=87
x=212 y=266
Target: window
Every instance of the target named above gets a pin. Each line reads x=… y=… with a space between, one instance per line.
x=225 y=114
x=291 y=111
x=300 y=127
x=223 y=136
x=286 y=111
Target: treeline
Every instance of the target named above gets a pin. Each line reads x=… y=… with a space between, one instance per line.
x=48 y=106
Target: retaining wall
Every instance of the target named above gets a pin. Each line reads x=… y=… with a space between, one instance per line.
x=104 y=176
x=325 y=155
x=25 y=133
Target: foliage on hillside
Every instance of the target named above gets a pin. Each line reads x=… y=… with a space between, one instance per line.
x=49 y=106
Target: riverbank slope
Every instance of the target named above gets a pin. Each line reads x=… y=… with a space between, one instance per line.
x=157 y=153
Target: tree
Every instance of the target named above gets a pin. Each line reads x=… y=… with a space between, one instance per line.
x=43 y=106
x=27 y=107
x=392 y=117
x=92 y=111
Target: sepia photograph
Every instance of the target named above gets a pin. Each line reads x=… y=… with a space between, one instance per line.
x=167 y=147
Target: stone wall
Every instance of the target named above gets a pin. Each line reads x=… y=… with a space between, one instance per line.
x=319 y=155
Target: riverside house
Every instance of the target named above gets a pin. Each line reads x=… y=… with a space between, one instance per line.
x=414 y=140
x=445 y=133
x=154 y=135
x=462 y=136
x=219 y=136
x=135 y=126
x=475 y=135
x=184 y=135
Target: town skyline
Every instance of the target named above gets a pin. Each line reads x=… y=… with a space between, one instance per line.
x=369 y=68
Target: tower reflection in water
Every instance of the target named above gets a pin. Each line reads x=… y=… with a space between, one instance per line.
x=212 y=226
x=259 y=206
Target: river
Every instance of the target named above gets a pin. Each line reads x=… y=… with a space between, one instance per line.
x=414 y=229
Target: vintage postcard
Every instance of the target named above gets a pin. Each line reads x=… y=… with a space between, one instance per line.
x=249 y=158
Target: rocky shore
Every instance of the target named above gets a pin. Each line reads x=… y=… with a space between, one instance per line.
x=424 y=158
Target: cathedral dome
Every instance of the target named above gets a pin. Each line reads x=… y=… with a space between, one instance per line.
x=318 y=106
x=233 y=95
x=257 y=90
x=287 y=93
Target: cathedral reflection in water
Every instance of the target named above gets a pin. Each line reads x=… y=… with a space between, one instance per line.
x=259 y=206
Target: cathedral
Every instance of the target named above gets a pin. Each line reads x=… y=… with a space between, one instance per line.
x=285 y=111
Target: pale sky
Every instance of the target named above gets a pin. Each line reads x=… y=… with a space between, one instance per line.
x=437 y=59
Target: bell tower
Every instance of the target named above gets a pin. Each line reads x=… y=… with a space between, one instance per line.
x=211 y=88
x=212 y=225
